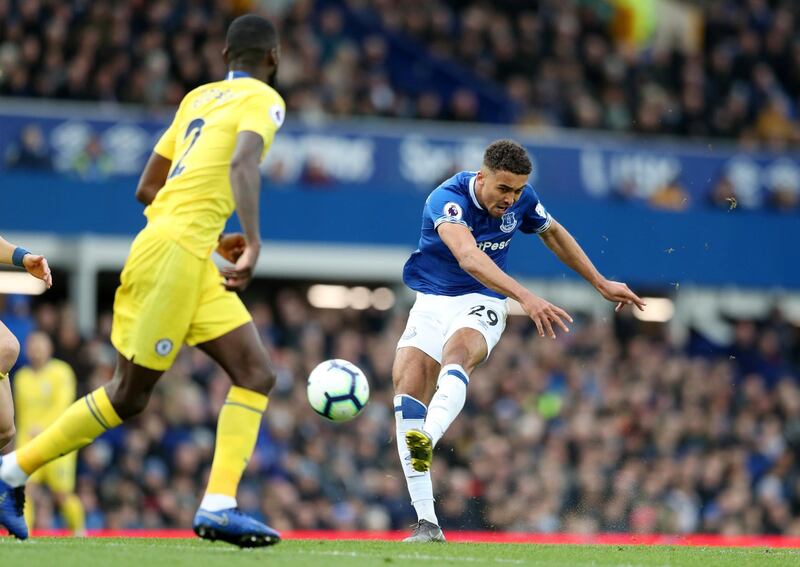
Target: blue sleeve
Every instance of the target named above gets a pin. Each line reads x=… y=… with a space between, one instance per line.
x=535 y=218
x=446 y=205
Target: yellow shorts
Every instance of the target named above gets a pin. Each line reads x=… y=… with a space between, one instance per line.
x=58 y=475
x=168 y=297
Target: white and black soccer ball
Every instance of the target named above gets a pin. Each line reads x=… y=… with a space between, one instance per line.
x=337 y=390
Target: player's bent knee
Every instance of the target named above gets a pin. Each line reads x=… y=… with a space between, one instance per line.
x=131 y=405
x=128 y=400
x=254 y=373
x=466 y=353
x=9 y=351
x=410 y=386
x=261 y=380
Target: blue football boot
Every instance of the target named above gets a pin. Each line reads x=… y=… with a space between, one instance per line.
x=12 y=504
x=234 y=527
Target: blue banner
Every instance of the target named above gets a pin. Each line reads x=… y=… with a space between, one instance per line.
x=635 y=244
x=390 y=156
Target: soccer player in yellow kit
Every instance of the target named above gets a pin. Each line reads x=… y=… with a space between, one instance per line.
x=42 y=391
x=13 y=501
x=203 y=167
x=37 y=266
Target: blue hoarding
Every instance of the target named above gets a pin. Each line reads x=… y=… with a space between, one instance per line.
x=635 y=244
x=390 y=156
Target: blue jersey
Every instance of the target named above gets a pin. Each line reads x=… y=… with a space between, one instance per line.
x=433 y=269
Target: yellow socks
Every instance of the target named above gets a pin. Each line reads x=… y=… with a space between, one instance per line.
x=71 y=510
x=83 y=421
x=73 y=514
x=237 y=430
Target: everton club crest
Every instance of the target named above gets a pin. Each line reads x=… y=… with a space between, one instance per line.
x=508 y=223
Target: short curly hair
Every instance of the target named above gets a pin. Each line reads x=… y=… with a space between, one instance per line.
x=250 y=38
x=507 y=155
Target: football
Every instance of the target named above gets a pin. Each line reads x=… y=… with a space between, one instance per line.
x=337 y=390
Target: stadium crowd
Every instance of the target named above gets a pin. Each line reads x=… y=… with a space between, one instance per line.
x=562 y=63
x=566 y=64
x=611 y=428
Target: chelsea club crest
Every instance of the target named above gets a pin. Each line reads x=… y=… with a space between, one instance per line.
x=508 y=223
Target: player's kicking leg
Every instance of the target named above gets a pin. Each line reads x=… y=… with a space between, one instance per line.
x=12 y=500
x=462 y=353
x=465 y=350
x=97 y=412
x=243 y=357
x=414 y=376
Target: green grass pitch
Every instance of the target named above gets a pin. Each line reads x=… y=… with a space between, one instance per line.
x=122 y=552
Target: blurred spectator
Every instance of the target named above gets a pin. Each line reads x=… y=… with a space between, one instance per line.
x=30 y=151
x=671 y=196
x=560 y=64
x=606 y=429
x=784 y=187
x=784 y=199
x=723 y=196
x=92 y=163
x=463 y=106
x=314 y=173
x=774 y=124
x=43 y=390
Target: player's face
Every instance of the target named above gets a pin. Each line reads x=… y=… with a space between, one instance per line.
x=497 y=191
x=39 y=349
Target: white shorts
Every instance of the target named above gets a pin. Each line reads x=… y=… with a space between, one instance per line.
x=435 y=318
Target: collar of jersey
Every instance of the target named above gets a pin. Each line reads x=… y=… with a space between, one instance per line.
x=472 y=191
x=237 y=75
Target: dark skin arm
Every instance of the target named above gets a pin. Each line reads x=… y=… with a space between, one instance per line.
x=231 y=246
x=153 y=178
x=246 y=185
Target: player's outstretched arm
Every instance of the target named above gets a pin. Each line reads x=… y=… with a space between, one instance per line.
x=560 y=241
x=35 y=264
x=6 y=251
x=477 y=263
x=153 y=178
x=246 y=186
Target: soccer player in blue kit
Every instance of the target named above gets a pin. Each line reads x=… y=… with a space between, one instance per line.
x=458 y=272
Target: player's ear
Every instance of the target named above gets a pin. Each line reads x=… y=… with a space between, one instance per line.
x=274 y=55
x=225 y=55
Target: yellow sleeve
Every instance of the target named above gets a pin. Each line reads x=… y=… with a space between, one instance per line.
x=165 y=147
x=262 y=114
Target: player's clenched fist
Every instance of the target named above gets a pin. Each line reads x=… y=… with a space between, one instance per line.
x=231 y=246
x=238 y=277
x=544 y=314
x=37 y=266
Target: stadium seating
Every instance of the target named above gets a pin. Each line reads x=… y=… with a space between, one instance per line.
x=543 y=63
x=608 y=430
x=622 y=426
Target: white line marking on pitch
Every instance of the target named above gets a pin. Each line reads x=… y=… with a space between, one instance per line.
x=407 y=556
x=482 y=560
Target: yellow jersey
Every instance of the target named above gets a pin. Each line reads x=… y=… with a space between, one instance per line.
x=196 y=201
x=40 y=397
